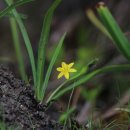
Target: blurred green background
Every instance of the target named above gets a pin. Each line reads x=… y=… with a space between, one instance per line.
x=83 y=43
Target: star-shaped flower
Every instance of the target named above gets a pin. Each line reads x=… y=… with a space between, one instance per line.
x=65 y=69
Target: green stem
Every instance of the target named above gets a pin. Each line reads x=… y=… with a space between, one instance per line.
x=26 y=40
x=17 y=49
x=9 y=8
x=86 y=78
x=83 y=71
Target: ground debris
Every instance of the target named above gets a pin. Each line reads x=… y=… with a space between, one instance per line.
x=18 y=106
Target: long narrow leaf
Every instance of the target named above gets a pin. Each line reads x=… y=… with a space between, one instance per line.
x=82 y=71
x=12 y=6
x=18 y=51
x=85 y=79
x=113 y=28
x=92 y=17
x=26 y=40
x=43 y=41
x=53 y=60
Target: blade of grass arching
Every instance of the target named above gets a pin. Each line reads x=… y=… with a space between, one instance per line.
x=43 y=41
x=53 y=60
x=82 y=71
x=86 y=78
x=22 y=16
x=26 y=40
x=114 y=30
x=18 y=51
x=92 y=17
x=9 y=8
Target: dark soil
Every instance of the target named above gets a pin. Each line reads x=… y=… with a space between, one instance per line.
x=18 y=106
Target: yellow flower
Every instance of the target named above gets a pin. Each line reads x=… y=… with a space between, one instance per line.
x=65 y=69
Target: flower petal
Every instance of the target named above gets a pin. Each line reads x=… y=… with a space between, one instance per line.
x=72 y=70
x=59 y=69
x=66 y=75
x=65 y=70
x=60 y=75
x=71 y=64
x=64 y=65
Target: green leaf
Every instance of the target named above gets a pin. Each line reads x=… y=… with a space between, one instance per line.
x=114 y=30
x=43 y=41
x=53 y=60
x=92 y=17
x=17 y=47
x=66 y=115
x=23 y=16
x=75 y=77
x=82 y=71
x=86 y=78
x=26 y=40
x=12 y=6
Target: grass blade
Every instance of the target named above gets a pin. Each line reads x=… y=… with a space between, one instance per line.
x=114 y=30
x=12 y=6
x=84 y=79
x=26 y=40
x=53 y=60
x=66 y=114
x=17 y=49
x=43 y=41
x=83 y=71
x=92 y=17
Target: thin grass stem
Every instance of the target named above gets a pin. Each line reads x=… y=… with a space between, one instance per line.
x=18 y=51
x=26 y=40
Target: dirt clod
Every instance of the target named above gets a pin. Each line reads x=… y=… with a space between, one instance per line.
x=18 y=106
